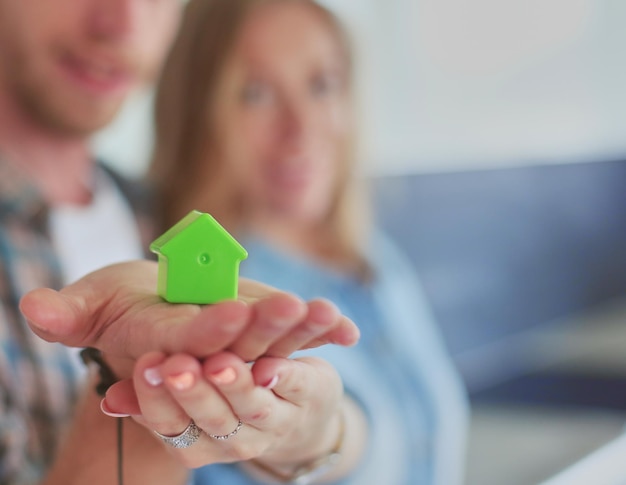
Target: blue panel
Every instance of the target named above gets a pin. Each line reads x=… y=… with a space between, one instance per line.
x=501 y=251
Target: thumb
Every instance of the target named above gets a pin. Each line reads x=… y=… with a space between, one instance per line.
x=52 y=315
x=78 y=314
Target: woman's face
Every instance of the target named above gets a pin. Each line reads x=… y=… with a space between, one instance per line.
x=286 y=114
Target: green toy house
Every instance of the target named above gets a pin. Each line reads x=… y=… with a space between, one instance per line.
x=198 y=261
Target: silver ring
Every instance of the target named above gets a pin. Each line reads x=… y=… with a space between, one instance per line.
x=226 y=436
x=183 y=440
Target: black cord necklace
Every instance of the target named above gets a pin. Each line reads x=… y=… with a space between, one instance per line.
x=120 y=451
x=107 y=378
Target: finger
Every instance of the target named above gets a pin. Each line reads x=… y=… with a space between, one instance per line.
x=298 y=381
x=162 y=415
x=272 y=318
x=60 y=315
x=345 y=333
x=183 y=377
x=159 y=410
x=121 y=400
x=213 y=328
x=255 y=405
x=322 y=318
x=251 y=290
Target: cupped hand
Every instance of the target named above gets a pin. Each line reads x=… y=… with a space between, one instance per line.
x=289 y=408
x=116 y=310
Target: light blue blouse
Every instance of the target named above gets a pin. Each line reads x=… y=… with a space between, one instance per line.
x=399 y=371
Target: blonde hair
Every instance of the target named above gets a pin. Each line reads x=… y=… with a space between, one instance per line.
x=188 y=168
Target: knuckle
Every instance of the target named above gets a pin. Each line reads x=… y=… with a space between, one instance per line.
x=260 y=417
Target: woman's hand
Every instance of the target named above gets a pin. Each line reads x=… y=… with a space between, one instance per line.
x=116 y=310
x=290 y=408
x=192 y=362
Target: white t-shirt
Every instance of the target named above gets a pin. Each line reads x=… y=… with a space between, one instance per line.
x=89 y=237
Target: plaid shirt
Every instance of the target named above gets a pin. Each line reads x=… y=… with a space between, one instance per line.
x=38 y=380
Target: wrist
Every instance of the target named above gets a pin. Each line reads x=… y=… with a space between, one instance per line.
x=307 y=471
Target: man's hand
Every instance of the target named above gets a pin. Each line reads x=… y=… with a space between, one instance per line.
x=116 y=310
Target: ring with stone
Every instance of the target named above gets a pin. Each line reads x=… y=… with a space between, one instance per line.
x=183 y=440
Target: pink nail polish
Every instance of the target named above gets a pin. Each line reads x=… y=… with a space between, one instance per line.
x=182 y=381
x=105 y=409
x=272 y=383
x=153 y=376
x=224 y=376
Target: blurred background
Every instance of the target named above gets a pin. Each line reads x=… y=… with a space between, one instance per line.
x=496 y=148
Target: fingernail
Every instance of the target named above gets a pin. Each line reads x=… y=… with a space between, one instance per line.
x=272 y=382
x=104 y=408
x=152 y=376
x=224 y=376
x=182 y=381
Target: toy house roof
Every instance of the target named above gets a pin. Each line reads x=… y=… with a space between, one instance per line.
x=194 y=217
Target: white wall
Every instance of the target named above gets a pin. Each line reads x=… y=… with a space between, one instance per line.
x=465 y=84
